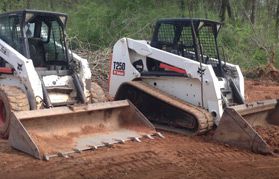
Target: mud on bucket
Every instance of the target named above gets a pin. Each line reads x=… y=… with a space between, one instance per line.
x=64 y=130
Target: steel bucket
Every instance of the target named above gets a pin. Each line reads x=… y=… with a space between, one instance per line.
x=62 y=130
x=253 y=126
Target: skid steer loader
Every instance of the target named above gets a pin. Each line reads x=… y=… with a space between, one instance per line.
x=46 y=91
x=180 y=83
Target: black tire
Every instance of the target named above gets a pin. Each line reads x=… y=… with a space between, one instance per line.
x=11 y=99
x=97 y=93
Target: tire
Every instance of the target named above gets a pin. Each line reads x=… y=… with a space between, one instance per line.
x=97 y=94
x=11 y=99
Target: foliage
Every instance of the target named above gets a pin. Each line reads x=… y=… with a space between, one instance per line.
x=248 y=38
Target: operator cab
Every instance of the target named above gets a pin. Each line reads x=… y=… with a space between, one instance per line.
x=195 y=39
x=37 y=35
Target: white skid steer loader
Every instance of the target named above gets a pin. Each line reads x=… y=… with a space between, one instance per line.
x=179 y=82
x=46 y=91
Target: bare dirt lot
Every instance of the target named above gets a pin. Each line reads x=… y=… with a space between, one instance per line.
x=176 y=156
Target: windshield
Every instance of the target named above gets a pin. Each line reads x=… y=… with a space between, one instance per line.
x=10 y=32
x=46 y=41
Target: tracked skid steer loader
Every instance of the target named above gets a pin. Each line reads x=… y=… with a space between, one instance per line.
x=46 y=94
x=180 y=83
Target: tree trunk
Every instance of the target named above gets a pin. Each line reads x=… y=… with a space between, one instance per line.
x=51 y=5
x=229 y=9
x=253 y=11
x=225 y=6
x=182 y=7
x=28 y=4
x=270 y=4
x=223 y=10
x=204 y=5
x=190 y=7
x=277 y=19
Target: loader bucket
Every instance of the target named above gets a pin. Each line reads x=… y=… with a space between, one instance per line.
x=63 y=130
x=254 y=126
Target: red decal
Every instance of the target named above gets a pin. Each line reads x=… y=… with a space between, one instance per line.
x=6 y=70
x=118 y=72
x=172 y=68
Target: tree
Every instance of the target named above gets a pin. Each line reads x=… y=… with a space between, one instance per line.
x=277 y=20
x=182 y=7
x=225 y=7
x=253 y=11
x=28 y=4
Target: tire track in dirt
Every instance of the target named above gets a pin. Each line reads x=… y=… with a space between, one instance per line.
x=176 y=156
x=123 y=164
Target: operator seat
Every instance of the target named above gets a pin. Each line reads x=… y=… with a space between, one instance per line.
x=37 y=52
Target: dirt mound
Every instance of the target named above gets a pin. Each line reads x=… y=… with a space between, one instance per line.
x=270 y=135
x=267 y=72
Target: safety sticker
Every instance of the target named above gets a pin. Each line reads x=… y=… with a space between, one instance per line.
x=118 y=68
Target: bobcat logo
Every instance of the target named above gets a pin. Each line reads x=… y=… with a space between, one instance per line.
x=3 y=50
x=19 y=67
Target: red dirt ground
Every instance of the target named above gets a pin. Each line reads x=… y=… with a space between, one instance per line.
x=176 y=156
x=260 y=90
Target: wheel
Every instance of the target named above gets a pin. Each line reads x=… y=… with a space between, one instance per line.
x=11 y=99
x=97 y=93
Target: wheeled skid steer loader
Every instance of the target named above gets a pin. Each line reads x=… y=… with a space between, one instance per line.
x=46 y=93
x=180 y=83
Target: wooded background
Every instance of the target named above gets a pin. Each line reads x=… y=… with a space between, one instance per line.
x=249 y=37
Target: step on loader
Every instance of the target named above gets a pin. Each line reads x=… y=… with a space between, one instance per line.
x=180 y=82
x=46 y=92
